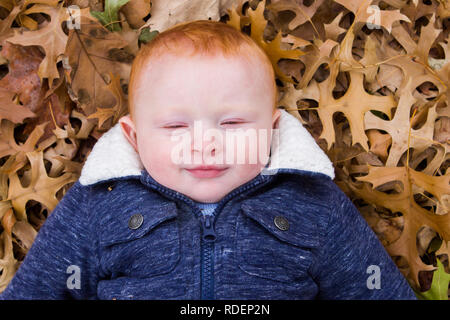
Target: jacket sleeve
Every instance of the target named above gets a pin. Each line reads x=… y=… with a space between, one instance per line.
x=351 y=263
x=61 y=263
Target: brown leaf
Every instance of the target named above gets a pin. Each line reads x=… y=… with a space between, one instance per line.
x=50 y=37
x=379 y=143
x=135 y=11
x=165 y=14
x=414 y=216
x=273 y=48
x=10 y=110
x=355 y=103
x=404 y=137
x=118 y=110
x=365 y=14
x=92 y=53
x=302 y=12
x=41 y=188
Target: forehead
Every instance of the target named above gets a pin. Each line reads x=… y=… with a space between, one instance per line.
x=182 y=66
x=173 y=77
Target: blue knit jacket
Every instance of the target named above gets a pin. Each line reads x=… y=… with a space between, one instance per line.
x=289 y=233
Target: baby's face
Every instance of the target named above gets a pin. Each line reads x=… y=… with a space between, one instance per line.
x=186 y=107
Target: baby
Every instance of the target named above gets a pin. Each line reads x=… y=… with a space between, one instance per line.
x=206 y=191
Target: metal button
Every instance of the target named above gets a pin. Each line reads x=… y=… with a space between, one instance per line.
x=281 y=223
x=110 y=188
x=135 y=221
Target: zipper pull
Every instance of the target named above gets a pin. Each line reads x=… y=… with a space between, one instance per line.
x=208 y=232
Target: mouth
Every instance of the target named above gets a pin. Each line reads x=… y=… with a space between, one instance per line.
x=207 y=171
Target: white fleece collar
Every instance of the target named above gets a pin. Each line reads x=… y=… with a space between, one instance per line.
x=113 y=156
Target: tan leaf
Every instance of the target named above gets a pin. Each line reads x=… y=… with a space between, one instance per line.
x=354 y=112
x=302 y=12
x=415 y=217
x=92 y=53
x=165 y=14
x=51 y=38
x=118 y=110
x=399 y=127
x=135 y=11
x=42 y=188
x=366 y=14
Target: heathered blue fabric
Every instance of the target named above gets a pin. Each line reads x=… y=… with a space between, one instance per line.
x=325 y=253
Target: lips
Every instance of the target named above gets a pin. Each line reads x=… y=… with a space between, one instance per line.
x=207 y=171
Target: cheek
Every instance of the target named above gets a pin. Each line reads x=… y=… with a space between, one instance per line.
x=257 y=149
x=155 y=153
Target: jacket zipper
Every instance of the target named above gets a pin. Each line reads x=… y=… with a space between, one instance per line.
x=207 y=257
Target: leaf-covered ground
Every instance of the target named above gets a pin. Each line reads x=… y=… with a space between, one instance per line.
x=368 y=79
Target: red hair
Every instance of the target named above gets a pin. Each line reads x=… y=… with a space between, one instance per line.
x=203 y=37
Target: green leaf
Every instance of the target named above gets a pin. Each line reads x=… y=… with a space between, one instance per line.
x=439 y=285
x=147 y=35
x=110 y=17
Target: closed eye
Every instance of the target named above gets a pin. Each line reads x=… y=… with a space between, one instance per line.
x=232 y=122
x=175 y=126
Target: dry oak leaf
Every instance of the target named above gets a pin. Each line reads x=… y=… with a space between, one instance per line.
x=333 y=30
x=12 y=111
x=135 y=11
x=92 y=53
x=8 y=220
x=236 y=18
x=5 y=24
x=417 y=73
x=165 y=14
x=418 y=8
x=388 y=76
x=444 y=249
x=295 y=41
x=22 y=78
x=273 y=48
x=289 y=100
x=22 y=19
x=22 y=230
x=50 y=37
x=368 y=64
x=404 y=137
x=25 y=233
x=415 y=64
x=443 y=10
x=354 y=104
x=118 y=110
x=316 y=55
x=69 y=131
x=9 y=146
x=415 y=217
x=444 y=72
x=41 y=187
x=379 y=143
x=302 y=12
x=370 y=60
x=371 y=14
x=421 y=49
x=8 y=264
x=131 y=36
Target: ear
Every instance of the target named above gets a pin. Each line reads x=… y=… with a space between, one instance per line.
x=129 y=130
x=276 y=115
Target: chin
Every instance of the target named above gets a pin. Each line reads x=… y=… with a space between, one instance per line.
x=206 y=199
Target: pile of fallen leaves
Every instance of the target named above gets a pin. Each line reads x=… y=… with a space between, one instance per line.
x=368 y=79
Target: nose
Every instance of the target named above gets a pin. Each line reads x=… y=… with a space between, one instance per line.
x=207 y=142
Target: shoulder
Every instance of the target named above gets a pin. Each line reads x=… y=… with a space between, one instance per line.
x=307 y=187
x=305 y=200
x=310 y=194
